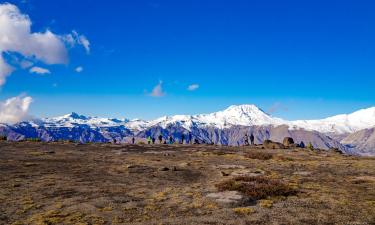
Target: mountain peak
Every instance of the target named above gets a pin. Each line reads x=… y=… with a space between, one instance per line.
x=246 y=108
x=74 y=115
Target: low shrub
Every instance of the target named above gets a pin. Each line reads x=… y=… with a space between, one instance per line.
x=3 y=138
x=243 y=210
x=34 y=139
x=256 y=188
x=259 y=155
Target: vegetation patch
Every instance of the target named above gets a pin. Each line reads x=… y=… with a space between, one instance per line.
x=256 y=188
x=259 y=155
x=244 y=210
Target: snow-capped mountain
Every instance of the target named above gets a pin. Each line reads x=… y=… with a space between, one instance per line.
x=241 y=115
x=340 y=124
x=223 y=127
x=73 y=119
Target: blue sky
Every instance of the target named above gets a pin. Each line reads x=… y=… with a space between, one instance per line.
x=295 y=59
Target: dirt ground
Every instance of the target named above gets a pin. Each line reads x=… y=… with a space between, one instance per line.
x=67 y=183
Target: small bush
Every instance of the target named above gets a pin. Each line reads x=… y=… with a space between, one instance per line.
x=266 y=203
x=34 y=139
x=244 y=210
x=259 y=155
x=256 y=188
x=3 y=138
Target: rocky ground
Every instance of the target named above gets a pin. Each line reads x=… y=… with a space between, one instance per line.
x=67 y=183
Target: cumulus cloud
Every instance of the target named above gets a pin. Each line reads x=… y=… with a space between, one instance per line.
x=193 y=87
x=39 y=70
x=158 y=91
x=5 y=70
x=79 y=69
x=16 y=37
x=15 y=109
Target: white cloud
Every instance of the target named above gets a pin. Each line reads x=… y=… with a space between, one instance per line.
x=5 y=70
x=25 y=64
x=75 y=38
x=39 y=70
x=79 y=69
x=16 y=37
x=193 y=87
x=158 y=91
x=85 y=43
x=15 y=109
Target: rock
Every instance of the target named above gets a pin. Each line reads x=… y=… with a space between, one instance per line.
x=294 y=145
x=231 y=198
x=139 y=168
x=245 y=172
x=273 y=145
x=336 y=150
x=229 y=166
x=164 y=169
x=224 y=174
x=185 y=164
x=364 y=179
x=288 y=142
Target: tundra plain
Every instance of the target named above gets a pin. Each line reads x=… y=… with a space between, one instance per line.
x=69 y=183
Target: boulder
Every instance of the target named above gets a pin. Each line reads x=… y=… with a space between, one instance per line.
x=288 y=142
x=273 y=145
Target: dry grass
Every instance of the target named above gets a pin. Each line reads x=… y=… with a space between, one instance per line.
x=256 y=187
x=259 y=155
x=123 y=184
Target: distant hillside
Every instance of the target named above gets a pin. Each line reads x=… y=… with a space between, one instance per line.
x=352 y=133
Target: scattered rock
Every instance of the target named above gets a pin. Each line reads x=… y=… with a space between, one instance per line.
x=16 y=185
x=164 y=169
x=246 y=172
x=224 y=174
x=185 y=164
x=139 y=168
x=364 y=179
x=228 y=166
x=231 y=198
x=336 y=150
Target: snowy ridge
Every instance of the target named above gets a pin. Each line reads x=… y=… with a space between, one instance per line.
x=241 y=115
x=340 y=124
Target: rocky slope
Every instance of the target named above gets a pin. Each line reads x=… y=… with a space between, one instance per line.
x=362 y=141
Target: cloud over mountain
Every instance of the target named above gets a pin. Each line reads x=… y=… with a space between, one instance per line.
x=16 y=38
x=14 y=109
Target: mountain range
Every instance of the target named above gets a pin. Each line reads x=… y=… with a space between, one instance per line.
x=352 y=133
